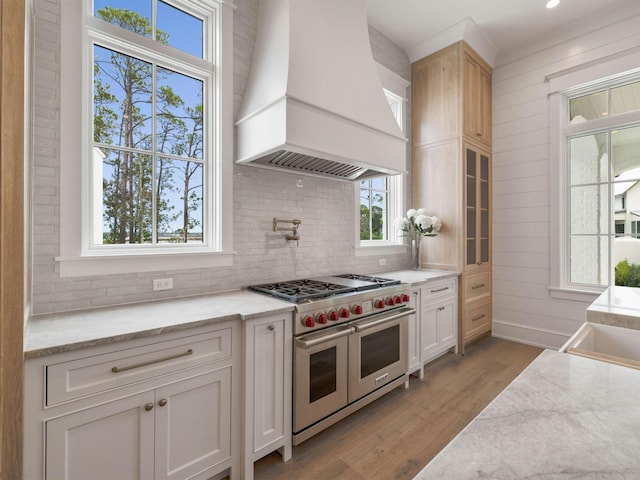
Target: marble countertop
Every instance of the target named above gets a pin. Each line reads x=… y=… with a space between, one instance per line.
x=54 y=333
x=564 y=417
x=617 y=306
x=418 y=277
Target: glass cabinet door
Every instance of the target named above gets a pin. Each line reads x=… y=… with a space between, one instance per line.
x=477 y=207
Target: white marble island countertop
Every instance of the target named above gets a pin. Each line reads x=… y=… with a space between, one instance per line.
x=564 y=417
x=54 y=333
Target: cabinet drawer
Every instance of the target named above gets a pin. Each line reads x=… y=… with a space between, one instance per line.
x=93 y=374
x=477 y=320
x=477 y=287
x=435 y=291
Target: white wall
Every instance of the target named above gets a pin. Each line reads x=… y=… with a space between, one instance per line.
x=325 y=206
x=523 y=308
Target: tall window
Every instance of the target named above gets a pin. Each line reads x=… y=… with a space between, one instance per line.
x=603 y=159
x=150 y=160
x=146 y=119
x=381 y=197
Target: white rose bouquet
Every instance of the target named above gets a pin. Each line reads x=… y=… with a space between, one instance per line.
x=418 y=224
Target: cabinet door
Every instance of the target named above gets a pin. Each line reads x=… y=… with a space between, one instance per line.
x=477 y=209
x=267 y=344
x=413 y=327
x=446 y=323
x=428 y=332
x=476 y=100
x=114 y=440
x=193 y=424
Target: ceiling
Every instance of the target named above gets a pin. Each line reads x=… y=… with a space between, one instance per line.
x=505 y=24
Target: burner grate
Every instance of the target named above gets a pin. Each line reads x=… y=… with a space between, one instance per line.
x=301 y=290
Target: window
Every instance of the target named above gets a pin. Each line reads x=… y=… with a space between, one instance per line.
x=147 y=178
x=602 y=161
x=380 y=199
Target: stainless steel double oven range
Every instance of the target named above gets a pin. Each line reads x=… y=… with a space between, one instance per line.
x=350 y=345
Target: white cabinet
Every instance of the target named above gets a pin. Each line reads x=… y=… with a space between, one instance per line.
x=413 y=329
x=435 y=330
x=158 y=407
x=268 y=344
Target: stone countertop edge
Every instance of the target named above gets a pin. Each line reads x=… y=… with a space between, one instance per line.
x=563 y=416
x=70 y=331
x=419 y=277
x=616 y=306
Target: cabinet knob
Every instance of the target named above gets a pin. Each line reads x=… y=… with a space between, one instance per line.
x=148 y=407
x=162 y=402
x=271 y=327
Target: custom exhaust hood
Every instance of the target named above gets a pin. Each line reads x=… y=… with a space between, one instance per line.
x=314 y=103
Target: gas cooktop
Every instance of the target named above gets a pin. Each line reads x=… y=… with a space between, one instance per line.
x=301 y=290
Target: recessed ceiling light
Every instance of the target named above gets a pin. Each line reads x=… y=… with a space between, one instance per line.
x=553 y=3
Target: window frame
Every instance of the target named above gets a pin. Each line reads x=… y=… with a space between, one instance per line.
x=79 y=32
x=563 y=85
x=394 y=88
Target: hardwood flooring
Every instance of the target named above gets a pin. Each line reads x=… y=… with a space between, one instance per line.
x=397 y=435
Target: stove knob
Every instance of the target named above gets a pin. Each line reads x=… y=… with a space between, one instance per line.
x=379 y=303
x=390 y=301
x=344 y=313
x=333 y=315
x=309 y=321
x=357 y=309
x=398 y=299
x=321 y=318
x=405 y=298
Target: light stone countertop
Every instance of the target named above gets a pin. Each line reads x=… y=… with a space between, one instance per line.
x=54 y=333
x=617 y=306
x=564 y=417
x=418 y=277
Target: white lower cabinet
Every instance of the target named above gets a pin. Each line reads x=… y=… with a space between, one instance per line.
x=268 y=347
x=435 y=327
x=174 y=419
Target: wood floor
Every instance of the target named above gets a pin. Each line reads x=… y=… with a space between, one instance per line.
x=397 y=435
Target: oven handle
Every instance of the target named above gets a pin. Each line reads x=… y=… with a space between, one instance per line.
x=302 y=342
x=364 y=325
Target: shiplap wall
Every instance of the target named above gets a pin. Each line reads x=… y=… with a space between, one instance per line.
x=523 y=309
x=326 y=207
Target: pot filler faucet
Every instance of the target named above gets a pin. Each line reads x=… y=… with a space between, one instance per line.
x=290 y=236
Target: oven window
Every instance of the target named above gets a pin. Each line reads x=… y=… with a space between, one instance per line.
x=322 y=373
x=379 y=350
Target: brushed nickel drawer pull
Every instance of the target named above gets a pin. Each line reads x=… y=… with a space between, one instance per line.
x=440 y=309
x=162 y=402
x=473 y=287
x=478 y=317
x=271 y=328
x=440 y=289
x=148 y=407
x=151 y=362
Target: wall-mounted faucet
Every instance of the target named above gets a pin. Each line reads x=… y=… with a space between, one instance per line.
x=290 y=236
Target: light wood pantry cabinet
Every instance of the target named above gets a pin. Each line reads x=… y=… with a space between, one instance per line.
x=158 y=407
x=451 y=173
x=268 y=344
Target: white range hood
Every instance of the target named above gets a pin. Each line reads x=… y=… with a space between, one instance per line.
x=314 y=104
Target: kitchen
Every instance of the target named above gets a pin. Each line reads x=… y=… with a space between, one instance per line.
x=327 y=245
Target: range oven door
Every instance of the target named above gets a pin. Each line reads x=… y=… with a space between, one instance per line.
x=377 y=352
x=320 y=375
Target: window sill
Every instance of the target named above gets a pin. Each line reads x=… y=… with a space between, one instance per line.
x=118 y=264
x=377 y=250
x=586 y=296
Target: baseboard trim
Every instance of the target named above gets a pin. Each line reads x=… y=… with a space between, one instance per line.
x=538 y=337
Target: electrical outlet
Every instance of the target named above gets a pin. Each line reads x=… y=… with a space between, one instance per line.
x=162 y=283
x=383 y=261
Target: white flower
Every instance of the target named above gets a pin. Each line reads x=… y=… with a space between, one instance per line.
x=423 y=221
x=421 y=211
x=437 y=223
x=411 y=213
x=401 y=224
